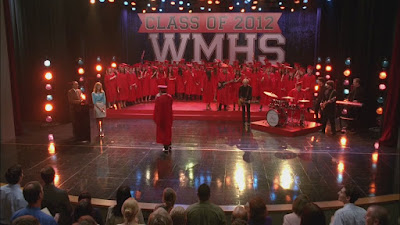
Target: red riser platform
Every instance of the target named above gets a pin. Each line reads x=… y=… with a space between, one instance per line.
x=288 y=131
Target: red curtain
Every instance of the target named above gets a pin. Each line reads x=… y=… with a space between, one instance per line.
x=391 y=116
x=13 y=72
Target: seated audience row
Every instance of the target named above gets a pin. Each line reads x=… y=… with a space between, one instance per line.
x=23 y=207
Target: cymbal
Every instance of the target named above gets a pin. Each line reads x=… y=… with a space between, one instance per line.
x=288 y=98
x=304 y=101
x=270 y=94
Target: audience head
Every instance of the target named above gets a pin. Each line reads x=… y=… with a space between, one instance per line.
x=87 y=220
x=169 y=197
x=299 y=203
x=123 y=193
x=239 y=222
x=83 y=208
x=14 y=174
x=33 y=192
x=312 y=215
x=178 y=216
x=85 y=195
x=348 y=194
x=47 y=174
x=26 y=220
x=239 y=213
x=160 y=217
x=257 y=210
x=129 y=209
x=203 y=192
x=376 y=215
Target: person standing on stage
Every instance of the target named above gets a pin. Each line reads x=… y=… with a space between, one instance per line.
x=99 y=102
x=75 y=100
x=321 y=90
x=207 y=88
x=110 y=83
x=328 y=107
x=162 y=116
x=224 y=78
x=245 y=96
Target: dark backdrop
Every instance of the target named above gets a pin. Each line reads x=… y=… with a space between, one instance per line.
x=66 y=30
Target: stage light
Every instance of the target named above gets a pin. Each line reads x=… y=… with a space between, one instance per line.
x=202 y=8
x=346 y=91
x=51 y=148
x=380 y=100
x=188 y=4
x=148 y=5
x=80 y=62
x=379 y=110
x=126 y=3
x=280 y=3
x=209 y=2
x=81 y=71
x=375 y=157
x=292 y=10
x=237 y=3
x=180 y=2
x=144 y=11
x=114 y=65
x=346 y=82
x=382 y=75
x=133 y=3
x=50 y=137
x=82 y=89
x=48 y=87
x=318 y=66
x=328 y=60
x=48 y=107
x=305 y=1
x=382 y=87
x=317 y=73
x=319 y=60
x=347 y=72
x=209 y=9
x=347 y=62
x=296 y=1
x=217 y=2
x=81 y=79
x=254 y=7
x=328 y=68
x=328 y=76
x=160 y=10
x=376 y=145
x=304 y=7
x=259 y=9
x=316 y=87
x=48 y=76
x=111 y=1
x=255 y=2
x=172 y=3
x=181 y=8
x=49 y=97
x=385 y=63
x=49 y=119
x=190 y=11
x=98 y=76
x=92 y=1
x=133 y=9
x=343 y=141
x=340 y=167
x=101 y=1
x=83 y=96
x=230 y=7
x=46 y=63
x=153 y=8
x=162 y=1
x=242 y=10
x=316 y=94
x=344 y=111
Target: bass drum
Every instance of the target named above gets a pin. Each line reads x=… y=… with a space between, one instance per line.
x=276 y=118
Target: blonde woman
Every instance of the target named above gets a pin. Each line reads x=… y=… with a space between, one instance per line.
x=129 y=210
x=99 y=102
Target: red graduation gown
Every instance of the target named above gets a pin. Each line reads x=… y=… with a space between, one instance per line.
x=123 y=86
x=162 y=116
x=110 y=83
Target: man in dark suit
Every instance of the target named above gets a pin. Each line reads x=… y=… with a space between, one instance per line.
x=328 y=107
x=321 y=91
x=75 y=100
x=245 y=95
x=55 y=199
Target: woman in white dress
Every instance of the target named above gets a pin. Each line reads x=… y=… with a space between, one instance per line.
x=99 y=102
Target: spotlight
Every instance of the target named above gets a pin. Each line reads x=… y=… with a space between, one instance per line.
x=328 y=76
x=83 y=96
x=375 y=155
x=230 y=7
x=133 y=9
x=144 y=11
x=50 y=137
x=209 y=9
x=328 y=68
x=80 y=62
x=319 y=60
x=382 y=87
x=81 y=79
x=82 y=89
x=181 y=8
x=81 y=71
x=133 y=3
x=162 y=1
x=99 y=68
x=296 y=1
x=343 y=141
x=382 y=75
x=48 y=76
x=292 y=10
x=49 y=119
x=111 y=1
x=180 y=2
x=317 y=73
x=98 y=76
x=304 y=7
x=379 y=111
x=148 y=5
x=305 y=1
x=209 y=2
x=126 y=3
x=254 y=7
x=242 y=10
x=385 y=63
x=346 y=82
x=51 y=148
x=318 y=66
x=380 y=100
x=48 y=87
x=202 y=8
x=49 y=97
x=153 y=8
x=160 y=10
x=346 y=91
x=316 y=87
x=376 y=145
x=347 y=72
x=280 y=3
x=237 y=3
x=255 y=2
x=188 y=4
x=172 y=3
x=259 y=9
x=48 y=107
x=328 y=60
x=46 y=63
x=114 y=65
x=316 y=94
x=190 y=11
x=217 y=2
x=101 y=0
x=344 y=111
x=93 y=1
x=347 y=62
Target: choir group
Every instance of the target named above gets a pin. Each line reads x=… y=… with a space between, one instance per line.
x=208 y=81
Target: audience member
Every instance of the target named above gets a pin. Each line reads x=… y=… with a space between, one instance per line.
x=85 y=208
x=257 y=212
x=26 y=220
x=159 y=217
x=114 y=214
x=376 y=215
x=239 y=213
x=168 y=198
x=350 y=213
x=129 y=210
x=204 y=212
x=86 y=220
x=294 y=218
x=12 y=199
x=239 y=222
x=55 y=200
x=33 y=194
x=178 y=215
x=313 y=215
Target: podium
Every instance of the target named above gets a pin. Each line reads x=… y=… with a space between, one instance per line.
x=82 y=123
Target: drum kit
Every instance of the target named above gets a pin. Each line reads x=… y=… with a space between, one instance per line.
x=279 y=109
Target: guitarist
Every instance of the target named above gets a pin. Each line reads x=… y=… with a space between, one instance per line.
x=328 y=106
x=245 y=94
x=224 y=78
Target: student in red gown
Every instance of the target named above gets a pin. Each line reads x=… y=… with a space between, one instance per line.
x=207 y=87
x=180 y=86
x=266 y=85
x=133 y=84
x=224 y=80
x=297 y=93
x=234 y=89
x=146 y=76
x=110 y=83
x=171 y=82
x=154 y=82
x=122 y=86
x=190 y=88
x=309 y=81
x=163 y=118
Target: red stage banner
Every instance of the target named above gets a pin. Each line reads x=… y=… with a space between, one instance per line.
x=209 y=22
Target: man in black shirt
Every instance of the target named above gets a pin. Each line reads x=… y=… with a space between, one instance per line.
x=356 y=95
x=318 y=100
x=328 y=107
x=245 y=94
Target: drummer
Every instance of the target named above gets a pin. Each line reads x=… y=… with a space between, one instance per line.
x=297 y=93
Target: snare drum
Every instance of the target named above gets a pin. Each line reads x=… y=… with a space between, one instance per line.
x=276 y=117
